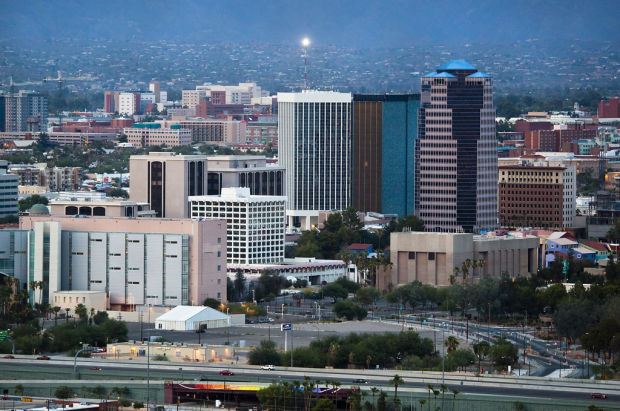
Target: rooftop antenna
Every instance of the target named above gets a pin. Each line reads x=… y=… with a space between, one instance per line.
x=305 y=42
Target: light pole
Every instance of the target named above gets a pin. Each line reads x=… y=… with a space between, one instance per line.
x=489 y=325
x=228 y=328
x=443 y=357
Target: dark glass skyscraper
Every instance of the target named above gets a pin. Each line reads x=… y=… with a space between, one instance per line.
x=456 y=155
x=385 y=129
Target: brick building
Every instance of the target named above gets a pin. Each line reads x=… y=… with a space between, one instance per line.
x=537 y=196
x=609 y=108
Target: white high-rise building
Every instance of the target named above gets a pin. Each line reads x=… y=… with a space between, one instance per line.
x=128 y=104
x=256 y=225
x=314 y=132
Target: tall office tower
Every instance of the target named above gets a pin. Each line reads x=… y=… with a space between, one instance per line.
x=128 y=104
x=155 y=88
x=25 y=111
x=456 y=154
x=108 y=101
x=314 y=129
x=2 y=113
x=165 y=180
x=385 y=130
x=8 y=191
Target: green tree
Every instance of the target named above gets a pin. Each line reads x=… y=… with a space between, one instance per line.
x=324 y=404
x=212 y=303
x=367 y=295
x=351 y=220
x=382 y=401
x=265 y=353
x=460 y=359
x=63 y=392
x=80 y=311
x=503 y=353
x=396 y=381
x=451 y=343
x=481 y=349
x=350 y=310
x=26 y=204
x=118 y=193
x=335 y=291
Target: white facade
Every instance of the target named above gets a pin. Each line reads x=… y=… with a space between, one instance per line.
x=191 y=98
x=569 y=195
x=142 y=137
x=256 y=225
x=314 y=133
x=189 y=318
x=127 y=104
x=314 y=271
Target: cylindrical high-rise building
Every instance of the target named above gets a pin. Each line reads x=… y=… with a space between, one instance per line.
x=456 y=155
x=314 y=139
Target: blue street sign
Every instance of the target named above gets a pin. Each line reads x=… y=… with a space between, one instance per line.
x=286 y=327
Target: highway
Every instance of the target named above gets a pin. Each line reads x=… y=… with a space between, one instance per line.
x=513 y=387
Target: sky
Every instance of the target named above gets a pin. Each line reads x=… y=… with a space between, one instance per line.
x=359 y=23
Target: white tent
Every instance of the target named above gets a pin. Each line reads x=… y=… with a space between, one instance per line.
x=189 y=318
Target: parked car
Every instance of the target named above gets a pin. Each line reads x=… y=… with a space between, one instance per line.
x=268 y=367
x=598 y=395
x=226 y=372
x=43 y=357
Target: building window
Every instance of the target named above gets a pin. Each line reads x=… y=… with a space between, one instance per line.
x=431 y=256
x=412 y=255
x=219 y=268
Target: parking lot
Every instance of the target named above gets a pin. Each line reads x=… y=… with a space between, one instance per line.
x=251 y=334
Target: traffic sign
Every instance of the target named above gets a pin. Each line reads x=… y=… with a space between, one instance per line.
x=4 y=335
x=286 y=327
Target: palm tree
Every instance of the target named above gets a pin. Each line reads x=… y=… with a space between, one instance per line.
x=465 y=266
x=444 y=388
x=422 y=401
x=396 y=381
x=56 y=309
x=481 y=349
x=374 y=390
x=452 y=343
x=435 y=393
x=454 y=393
x=430 y=388
x=67 y=309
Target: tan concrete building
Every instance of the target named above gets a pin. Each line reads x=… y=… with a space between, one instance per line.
x=431 y=257
x=160 y=262
x=101 y=208
x=165 y=180
x=97 y=300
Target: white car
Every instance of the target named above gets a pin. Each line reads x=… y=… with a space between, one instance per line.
x=268 y=367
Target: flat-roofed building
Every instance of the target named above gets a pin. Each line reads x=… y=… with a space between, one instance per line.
x=539 y=196
x=431 y=258
x=135 y=261
x=165 y=180
x=254 y=172
x=256 y=224
x=147 y=136
x=101 y=208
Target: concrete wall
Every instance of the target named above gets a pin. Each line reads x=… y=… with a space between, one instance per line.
x=431 y=257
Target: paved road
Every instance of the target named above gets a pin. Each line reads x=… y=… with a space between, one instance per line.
x=578 y=390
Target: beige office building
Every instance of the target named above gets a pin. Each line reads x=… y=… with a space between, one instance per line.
x=165 y=180
x=431 y=258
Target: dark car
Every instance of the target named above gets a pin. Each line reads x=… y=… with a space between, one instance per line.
x=43 y=357
x=360 y=381
x=9 y=357
x=598 y=395
x=226 y=372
